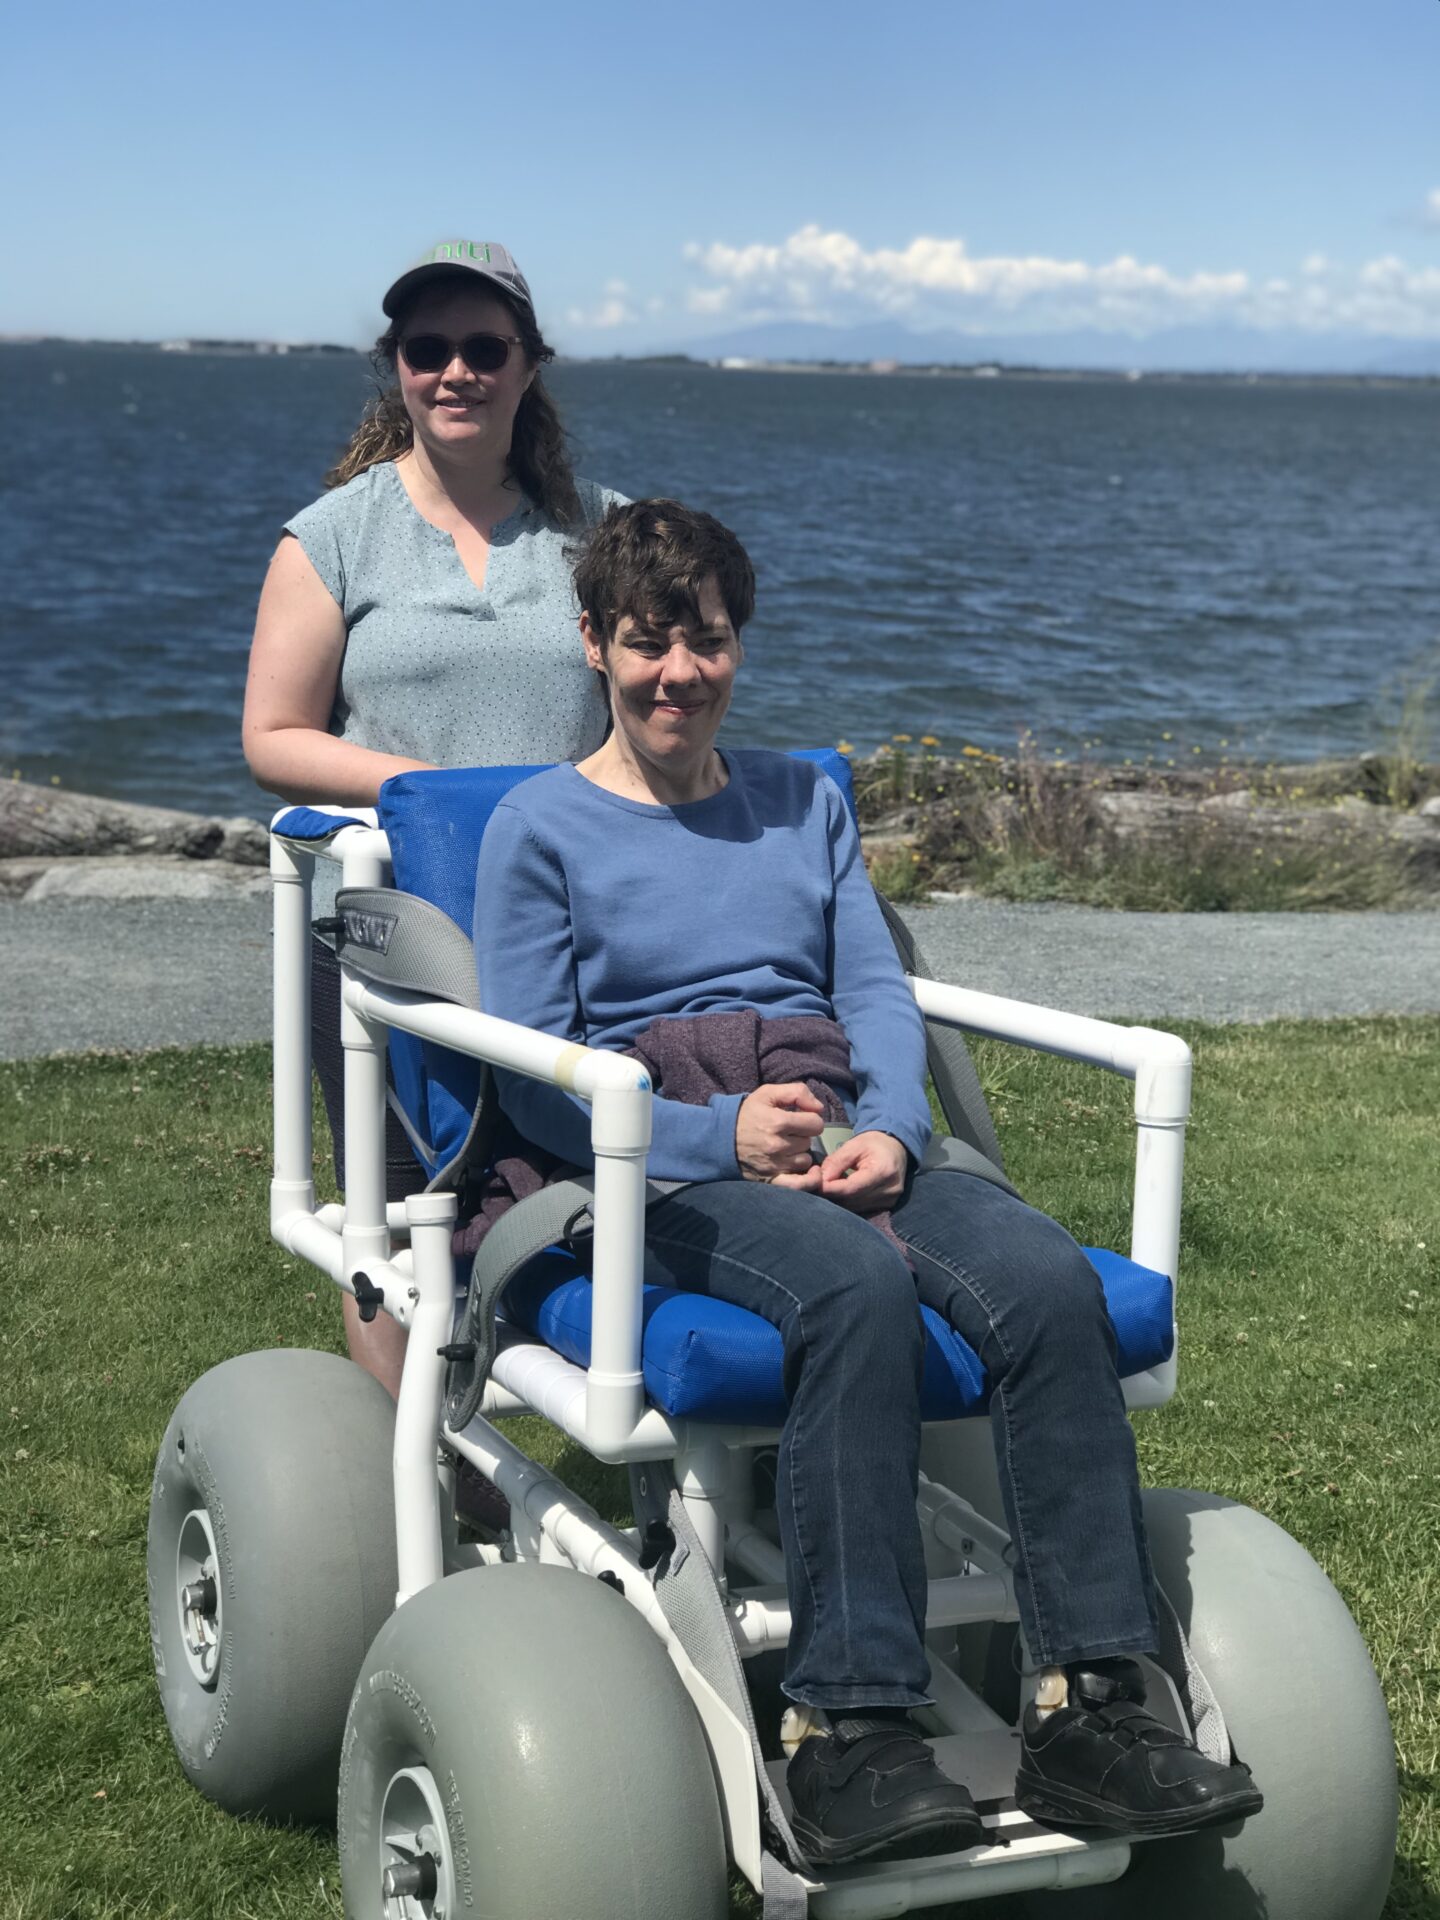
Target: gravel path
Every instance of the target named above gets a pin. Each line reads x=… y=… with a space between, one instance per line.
x=148 y=973
x=132 y=973
x=1193 y=966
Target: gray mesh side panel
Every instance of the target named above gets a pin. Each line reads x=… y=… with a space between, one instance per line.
x=690 y=1599
x=400 y=941
x=1212 y=1736
x=956 y=1082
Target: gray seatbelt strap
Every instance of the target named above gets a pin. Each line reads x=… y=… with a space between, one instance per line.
x=957 y=1084
x=946 y=1154
x=557 y=1213
x=689 y=1597
x=782 y=1893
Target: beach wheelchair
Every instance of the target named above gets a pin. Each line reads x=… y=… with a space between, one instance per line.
x=559 y=1719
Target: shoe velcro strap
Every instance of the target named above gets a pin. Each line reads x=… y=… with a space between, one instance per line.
x=1128 y=1725
x=863 y=1742
x=1121 y=1680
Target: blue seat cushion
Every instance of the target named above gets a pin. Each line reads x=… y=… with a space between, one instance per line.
x=705 y=1359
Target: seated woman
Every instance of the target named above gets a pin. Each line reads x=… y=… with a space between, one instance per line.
x=706 y=905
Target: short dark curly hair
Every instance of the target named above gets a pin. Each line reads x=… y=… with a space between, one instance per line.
x=648 y=561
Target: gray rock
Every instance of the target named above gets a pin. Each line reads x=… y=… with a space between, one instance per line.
x=244 y=842
x=135 y=878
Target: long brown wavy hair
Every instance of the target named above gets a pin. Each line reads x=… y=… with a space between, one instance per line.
x=539 y=459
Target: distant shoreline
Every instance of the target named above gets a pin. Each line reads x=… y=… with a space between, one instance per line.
x=875 y=369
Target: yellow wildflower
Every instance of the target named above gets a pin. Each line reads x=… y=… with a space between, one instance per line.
x=928 y=740
x=904 y=738
x=972 y=753
x=843 y=746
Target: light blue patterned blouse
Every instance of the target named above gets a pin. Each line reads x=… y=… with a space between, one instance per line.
x=436 y=668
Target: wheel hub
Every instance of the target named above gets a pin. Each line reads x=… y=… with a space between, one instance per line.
x=197 y=1594
x=417 y=1873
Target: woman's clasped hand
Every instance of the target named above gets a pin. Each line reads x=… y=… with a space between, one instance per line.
x=776 y=1140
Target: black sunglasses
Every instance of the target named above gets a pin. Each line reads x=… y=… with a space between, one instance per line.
x=481 y=352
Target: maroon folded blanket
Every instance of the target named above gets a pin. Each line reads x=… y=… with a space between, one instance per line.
x=689 y=1060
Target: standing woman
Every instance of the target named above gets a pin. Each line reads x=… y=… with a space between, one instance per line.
x=420 y=613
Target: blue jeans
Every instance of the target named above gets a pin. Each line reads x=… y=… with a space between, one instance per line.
x=1019 y=1290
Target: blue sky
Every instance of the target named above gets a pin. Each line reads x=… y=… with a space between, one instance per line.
x=668 y=172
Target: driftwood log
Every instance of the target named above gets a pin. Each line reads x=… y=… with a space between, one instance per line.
x=53 y=823
x=1158 y=821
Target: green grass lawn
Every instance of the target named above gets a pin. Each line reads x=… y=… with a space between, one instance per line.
x=133 y=1204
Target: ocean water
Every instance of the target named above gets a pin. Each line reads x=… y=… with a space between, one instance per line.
x=1145 y=568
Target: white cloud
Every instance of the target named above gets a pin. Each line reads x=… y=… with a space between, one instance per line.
x=937 y=282
x=709 y=299
x=937 y=278
x=614 y=310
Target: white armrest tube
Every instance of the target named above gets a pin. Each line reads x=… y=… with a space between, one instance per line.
x=619 y=1093
x=1158 y=1063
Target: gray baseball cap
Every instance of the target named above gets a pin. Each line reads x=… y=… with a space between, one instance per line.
x=485 y=258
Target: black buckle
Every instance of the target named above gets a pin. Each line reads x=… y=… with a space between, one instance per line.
x=658 y=1542
x=368 y=1297
x=574 y=1236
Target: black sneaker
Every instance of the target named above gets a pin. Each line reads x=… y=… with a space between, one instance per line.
x=871 y=1787
x=1104 y=1761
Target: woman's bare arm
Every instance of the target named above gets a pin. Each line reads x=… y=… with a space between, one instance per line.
x=294 y=669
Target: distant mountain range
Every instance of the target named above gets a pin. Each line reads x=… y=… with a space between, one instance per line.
x=1178 y=350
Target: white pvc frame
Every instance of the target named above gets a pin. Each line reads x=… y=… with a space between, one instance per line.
x=603 y=1407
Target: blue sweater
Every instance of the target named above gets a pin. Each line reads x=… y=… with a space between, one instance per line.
x=596 y=915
